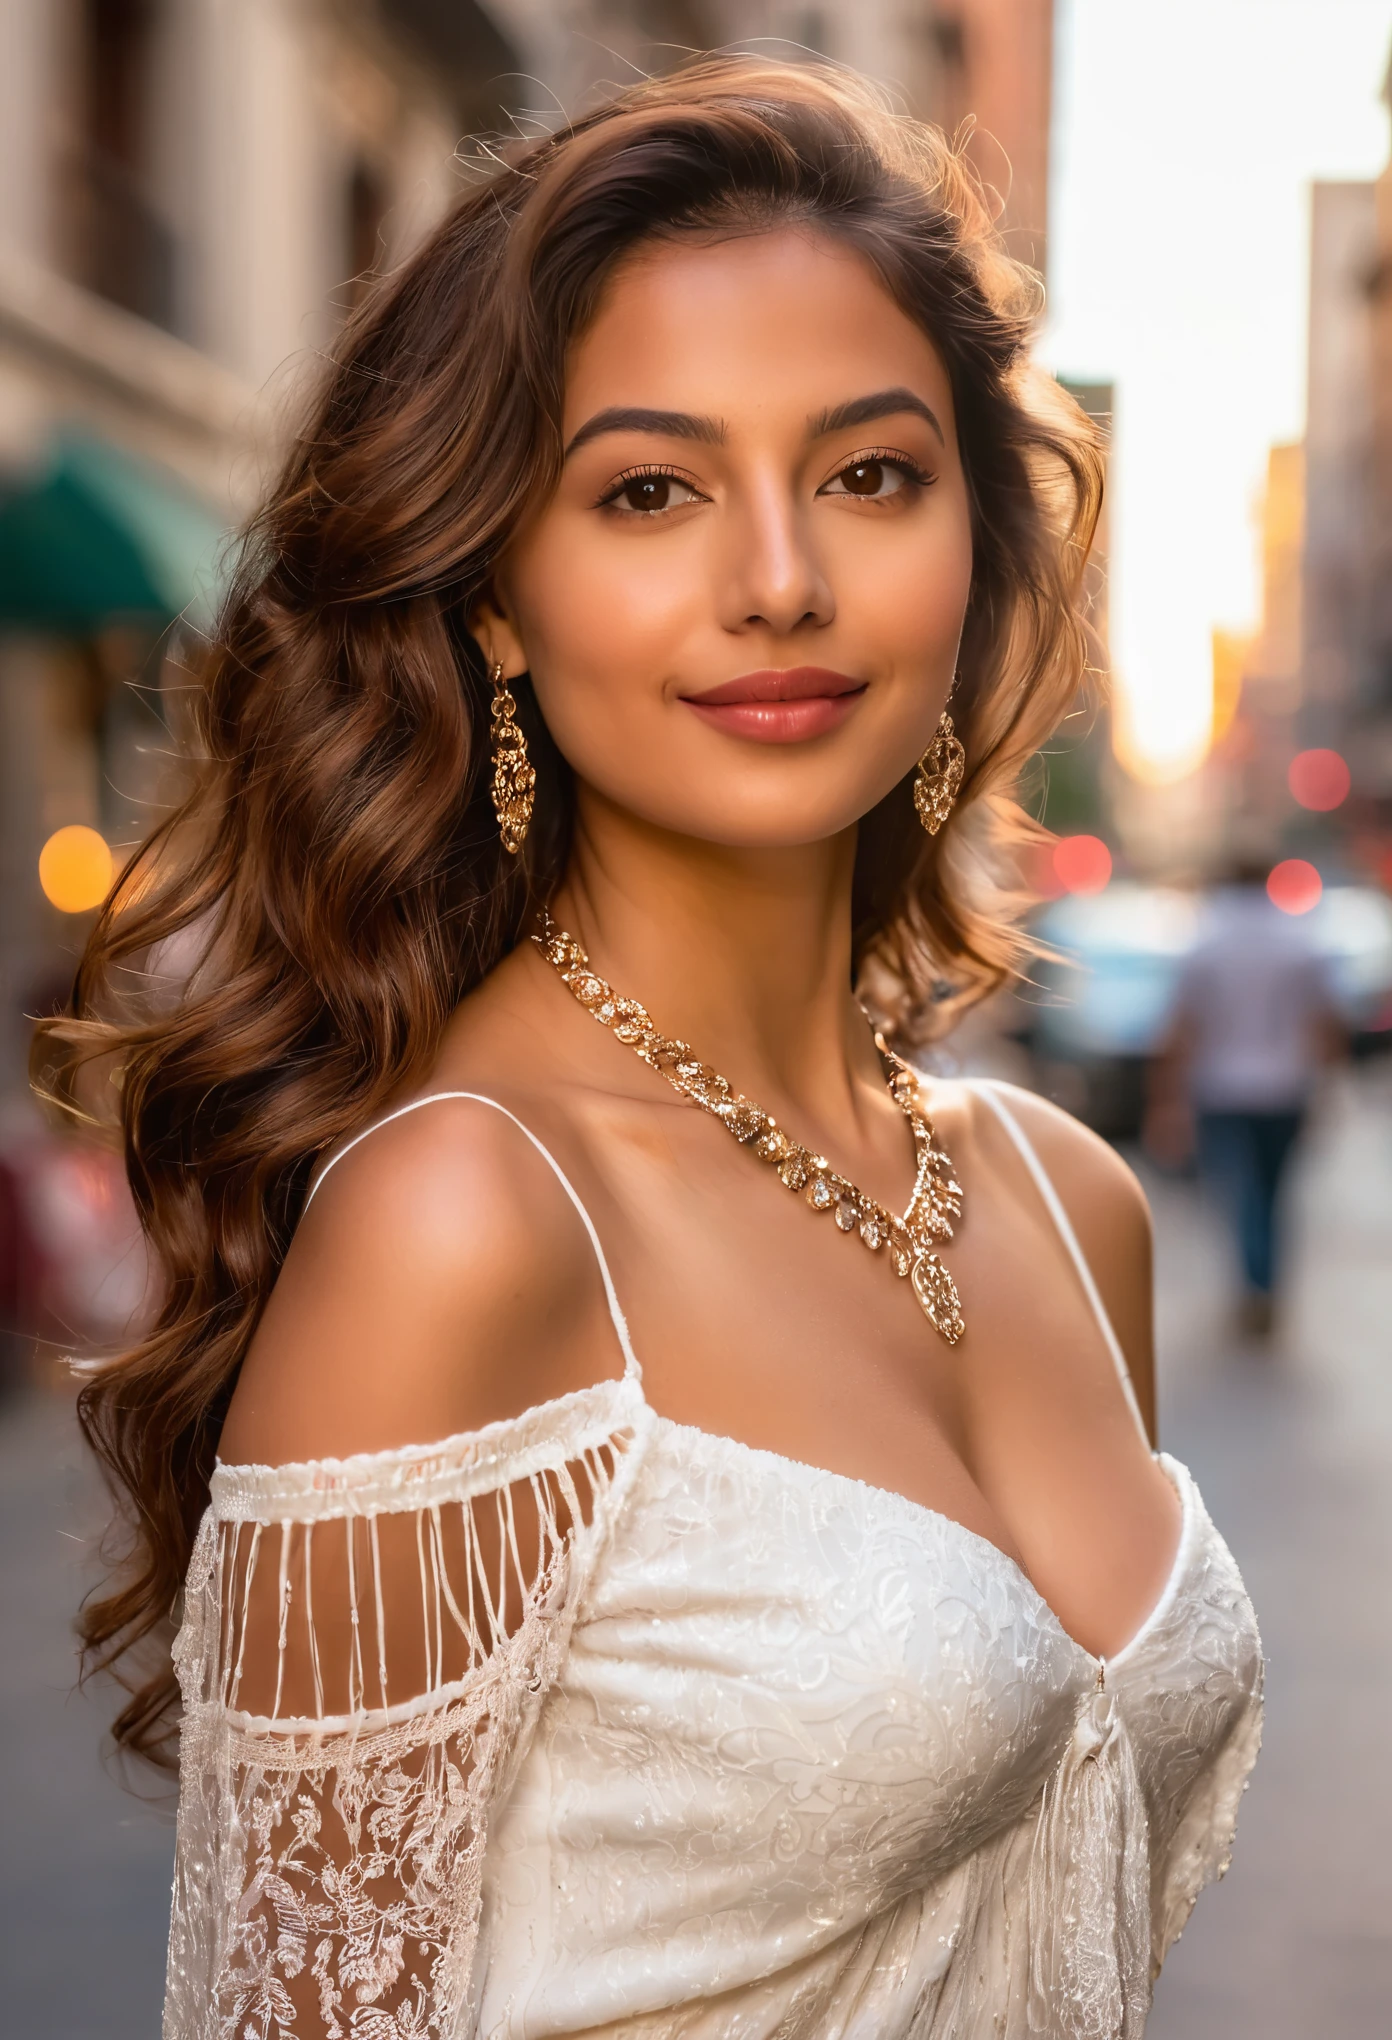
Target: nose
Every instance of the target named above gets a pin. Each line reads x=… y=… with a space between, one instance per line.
x=772 y=574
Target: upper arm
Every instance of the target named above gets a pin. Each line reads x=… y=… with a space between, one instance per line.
x=366 y=1645
x=440 y=1280
x=1109 y=1213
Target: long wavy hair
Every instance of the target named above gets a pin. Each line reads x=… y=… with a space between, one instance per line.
x=335 y=874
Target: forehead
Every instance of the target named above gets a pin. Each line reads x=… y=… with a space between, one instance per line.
x=788 y=321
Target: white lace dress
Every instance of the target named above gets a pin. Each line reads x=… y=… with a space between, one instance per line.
x=665 y=1736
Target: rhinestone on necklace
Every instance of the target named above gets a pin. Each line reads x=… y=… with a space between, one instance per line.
x=909 y=1241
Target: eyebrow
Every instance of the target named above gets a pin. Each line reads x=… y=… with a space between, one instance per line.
x=670 y=424
x=711 y=431
x=864 y=410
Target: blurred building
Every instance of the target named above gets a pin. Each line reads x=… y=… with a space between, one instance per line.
x=192 y=193
x=992 y=63
x=1377 y=672
x=1346 y=667
x=1316 y=676
x=1081 y=772
x=1258 y=679
x=1339 y=447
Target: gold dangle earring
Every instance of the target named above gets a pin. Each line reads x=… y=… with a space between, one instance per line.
x=938 y=781
x=514 y=775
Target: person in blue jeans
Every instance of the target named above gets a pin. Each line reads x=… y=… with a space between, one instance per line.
x=1254 y=1020
x=1243 y=1155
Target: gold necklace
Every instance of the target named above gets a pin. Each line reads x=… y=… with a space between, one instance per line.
x=936 y=1199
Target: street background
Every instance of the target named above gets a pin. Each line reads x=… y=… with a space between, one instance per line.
x=192 y=195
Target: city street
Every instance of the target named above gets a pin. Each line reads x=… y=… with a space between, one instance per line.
x=1293 y=1448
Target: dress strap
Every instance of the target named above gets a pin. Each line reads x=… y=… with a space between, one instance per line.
x=632 y=1370
x=985 y=1088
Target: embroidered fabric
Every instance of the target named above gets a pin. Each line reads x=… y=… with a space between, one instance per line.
x=365 y=1647
x=589 y=1723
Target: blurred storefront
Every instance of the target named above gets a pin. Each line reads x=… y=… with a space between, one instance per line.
x=187 y=190
x=185 y=187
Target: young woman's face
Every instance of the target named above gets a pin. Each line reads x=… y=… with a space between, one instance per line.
x=741 y=607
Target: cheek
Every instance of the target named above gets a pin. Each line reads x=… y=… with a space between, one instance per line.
x=907 y=592
x=603 y=616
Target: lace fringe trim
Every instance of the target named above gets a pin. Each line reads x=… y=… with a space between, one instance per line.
x=415 y=1476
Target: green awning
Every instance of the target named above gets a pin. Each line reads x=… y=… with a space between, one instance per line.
x=103 y=535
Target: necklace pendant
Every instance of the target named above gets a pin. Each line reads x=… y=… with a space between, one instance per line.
x=936 y=1198
x=937 y=1293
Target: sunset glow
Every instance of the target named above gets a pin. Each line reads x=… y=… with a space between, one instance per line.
x=1198 y=322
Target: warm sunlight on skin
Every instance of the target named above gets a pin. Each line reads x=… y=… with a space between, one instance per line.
x=803 y=536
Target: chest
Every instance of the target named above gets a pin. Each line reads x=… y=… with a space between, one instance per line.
x=806 y=1666
x=757 y=1318
x=792 y=1704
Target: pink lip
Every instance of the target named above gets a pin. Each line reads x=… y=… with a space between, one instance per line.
x=774 y=706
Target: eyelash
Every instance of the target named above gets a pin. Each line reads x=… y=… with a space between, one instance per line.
x=653 y=470
x=884 y=456
x=648 y=471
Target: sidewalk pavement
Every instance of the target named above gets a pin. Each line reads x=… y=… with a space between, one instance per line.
x=1292 y=1446
x=85 y=1872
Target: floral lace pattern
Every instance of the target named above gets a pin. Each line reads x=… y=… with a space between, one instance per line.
x=329 y=1866
x=361 y=1869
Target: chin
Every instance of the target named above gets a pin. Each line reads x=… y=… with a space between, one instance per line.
x=760 y=824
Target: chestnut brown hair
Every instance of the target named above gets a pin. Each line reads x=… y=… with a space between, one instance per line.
x=336 y=870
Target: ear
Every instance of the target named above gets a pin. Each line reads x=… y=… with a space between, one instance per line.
x=493 y=629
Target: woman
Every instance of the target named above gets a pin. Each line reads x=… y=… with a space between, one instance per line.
x=678 y=569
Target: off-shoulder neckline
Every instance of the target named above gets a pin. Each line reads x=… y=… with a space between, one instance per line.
x=469 y=1461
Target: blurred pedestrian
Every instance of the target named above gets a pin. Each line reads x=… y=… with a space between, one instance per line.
x=1254 y=1021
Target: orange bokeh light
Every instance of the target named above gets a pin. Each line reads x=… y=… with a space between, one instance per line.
x=1082 y=864
x=75 y=869
x=1319 y=780
x=1294 y=886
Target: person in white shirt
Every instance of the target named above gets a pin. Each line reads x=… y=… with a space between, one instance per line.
x=1253 y=1022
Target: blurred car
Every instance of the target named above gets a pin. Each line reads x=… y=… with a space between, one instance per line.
x=1097 y=1011
x=1097 y=1008
x=1352 y=927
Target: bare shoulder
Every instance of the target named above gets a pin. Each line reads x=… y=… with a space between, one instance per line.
x=439 y=1280
x=1100 y=1191
x=1106 y=1207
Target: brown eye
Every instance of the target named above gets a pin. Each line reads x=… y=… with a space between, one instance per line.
x=646 y=492
x=650 y=492
x=873 y=478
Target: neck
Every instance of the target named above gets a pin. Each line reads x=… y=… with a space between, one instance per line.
x=744 y=953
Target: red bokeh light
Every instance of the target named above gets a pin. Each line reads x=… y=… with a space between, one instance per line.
x=1040 y=876
x=1294 y=886
x=1082 y=864
x=1318 y=780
